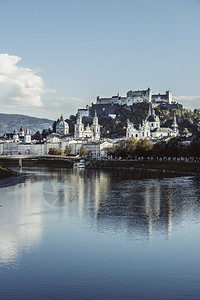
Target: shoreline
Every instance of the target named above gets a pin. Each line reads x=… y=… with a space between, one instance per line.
x=175 y=168
x=184 y=168
x=13 y=180
x=9 y=177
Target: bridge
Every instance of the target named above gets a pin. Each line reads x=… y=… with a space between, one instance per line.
x=30 y=160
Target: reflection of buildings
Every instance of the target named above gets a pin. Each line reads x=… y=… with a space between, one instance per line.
x=158 y=209
x=144 y=205
x=20 y=221
x=138 y=203
x=74 y=188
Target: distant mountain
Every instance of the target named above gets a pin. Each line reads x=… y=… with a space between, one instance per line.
x=10 y=122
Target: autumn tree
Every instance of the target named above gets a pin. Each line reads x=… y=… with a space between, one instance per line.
x=56 y=151
x=68 y=150
x=83 y=151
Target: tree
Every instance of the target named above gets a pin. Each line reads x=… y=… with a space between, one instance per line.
x=111 y=151
x=144 y=148
x=159 y=149
x=185 y=131
x=54 y=125
x=82 y=151
x=68 y=150
x=55 y=151
x=195 y=148
x=46 y=132
x=36 y=136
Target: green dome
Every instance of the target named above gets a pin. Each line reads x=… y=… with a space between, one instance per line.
x=62 y=124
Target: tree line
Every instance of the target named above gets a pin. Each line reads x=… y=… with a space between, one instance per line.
x=67 y=151
x=173 y=149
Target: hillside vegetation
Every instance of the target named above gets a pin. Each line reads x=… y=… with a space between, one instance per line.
x=188 y=120
x=9 y=122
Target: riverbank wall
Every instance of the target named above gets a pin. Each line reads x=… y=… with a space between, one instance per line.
x=169 y=166
x=65 y=162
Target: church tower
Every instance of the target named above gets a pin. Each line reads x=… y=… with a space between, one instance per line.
x=27 y=137
x=78 y=128
x=16 y=136
x=154 y=121
x=175 y=125
x=95 y=128
x=21 y=132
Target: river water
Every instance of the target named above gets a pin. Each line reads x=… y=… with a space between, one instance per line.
x=75 y=234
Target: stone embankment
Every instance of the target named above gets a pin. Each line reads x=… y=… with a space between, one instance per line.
x=162 y=166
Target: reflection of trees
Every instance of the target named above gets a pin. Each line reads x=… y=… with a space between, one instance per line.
x=138 y=200
x=20 y=221
x=148 y=205
x=126 y=200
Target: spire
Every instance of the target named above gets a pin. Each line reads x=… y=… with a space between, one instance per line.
x=95 y=119
x=61 y=117
x=150 y=112
x=79 y=119
x=175 y=125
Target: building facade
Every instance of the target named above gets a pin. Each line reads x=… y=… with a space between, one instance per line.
x=139 y=96
x=150 y=128
x=90 y=132
x=62 y=127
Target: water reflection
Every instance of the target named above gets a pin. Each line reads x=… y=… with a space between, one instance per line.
x=20 y=221
x=120 y=201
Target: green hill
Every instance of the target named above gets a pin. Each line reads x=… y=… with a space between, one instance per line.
x=113 y=118
x=9 y=122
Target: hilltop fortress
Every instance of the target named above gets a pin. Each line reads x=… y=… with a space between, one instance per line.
x=132 y=97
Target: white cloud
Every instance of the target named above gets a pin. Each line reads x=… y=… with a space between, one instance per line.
x=190 y=102
x=19 y=87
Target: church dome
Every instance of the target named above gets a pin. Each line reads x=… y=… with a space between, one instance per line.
x=62 y=124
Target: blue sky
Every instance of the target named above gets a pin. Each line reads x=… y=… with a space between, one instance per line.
x=57 y=56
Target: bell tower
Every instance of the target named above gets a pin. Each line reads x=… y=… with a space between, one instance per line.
x=96 y=128
x=78 y=127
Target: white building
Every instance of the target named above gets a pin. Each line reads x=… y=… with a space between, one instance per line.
x=62 y=127
x=150 y=128
x=90 y=132
x=139 y=96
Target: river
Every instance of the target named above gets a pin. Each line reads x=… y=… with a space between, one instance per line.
x=75 y=234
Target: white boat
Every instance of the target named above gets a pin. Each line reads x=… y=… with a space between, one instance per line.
x=79 y=165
